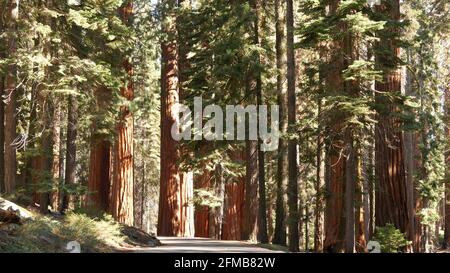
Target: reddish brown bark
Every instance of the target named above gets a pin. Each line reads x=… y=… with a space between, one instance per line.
x=234 y=203
x=334 y=224
x=122 y=190
x=99 y=176
x=233 y=214
x=391 y=195
x=201 y=215
x=169 y=217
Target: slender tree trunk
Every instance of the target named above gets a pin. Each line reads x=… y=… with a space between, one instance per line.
x=411 y=150
x=350 y=211
x=71 y=150
x=262 y=208
x=283 y=163
x=251 y=192
x=12 y=15
x=293 y=218
x=187 y=212
x=447 y=179
x=47 y=143
x=2 y=115
x=251 y=204
x=56 y=152
x=318 y=211
x=186 y=177
x=2 y=135
x=361 y=206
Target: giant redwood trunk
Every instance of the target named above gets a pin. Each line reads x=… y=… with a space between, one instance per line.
x=121 y=203
x=170 y=211
x=201 y=214
x=99 y=182
x=391 y=195
x=233 y=209
x=335 y=165
x=99 y=176
x=12 y=15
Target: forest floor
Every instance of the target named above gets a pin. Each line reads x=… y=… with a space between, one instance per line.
x=200 y=245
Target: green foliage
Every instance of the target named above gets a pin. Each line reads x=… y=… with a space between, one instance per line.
x=206 y=198
x=44 y=235
x=391 y=239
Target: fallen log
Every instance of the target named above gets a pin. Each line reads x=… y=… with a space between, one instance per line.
x=9 y=217
x=11 y=213
x=139 y=237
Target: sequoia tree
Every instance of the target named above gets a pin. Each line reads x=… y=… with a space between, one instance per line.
x=391 y=195
x=121 y=205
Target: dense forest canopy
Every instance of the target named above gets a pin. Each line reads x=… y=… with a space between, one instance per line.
x=88 y=90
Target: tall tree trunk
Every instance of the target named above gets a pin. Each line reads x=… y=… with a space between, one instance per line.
x=262 y=206
x=283 y=163
x=251 y=204
x=251 y=192
x=447 y=179
x=350 y=174
x=47 y=143
x=411 y=149
x=318 y=211
x=391 y=196
x=56 y=152
x=169 y=216
x=186 y=177
x=71 y=150
x=293 y=218
x=361 y=206
x=12 y=15
x=335 y=155
x=121 y=205
x=2 y=135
